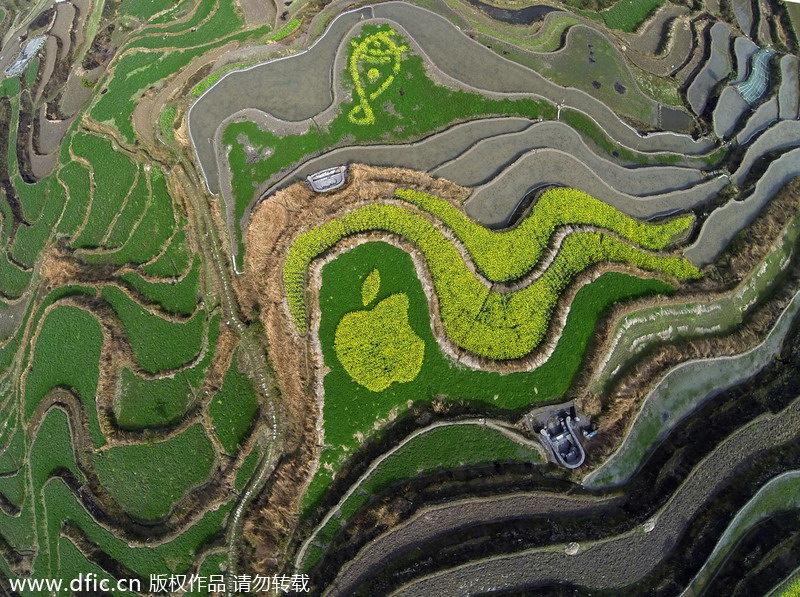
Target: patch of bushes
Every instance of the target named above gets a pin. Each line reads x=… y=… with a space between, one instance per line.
x=505 y=256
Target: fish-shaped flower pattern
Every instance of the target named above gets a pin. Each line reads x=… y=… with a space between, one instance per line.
x=374 y=64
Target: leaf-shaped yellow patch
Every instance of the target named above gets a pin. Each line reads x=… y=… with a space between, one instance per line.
x=370 y=287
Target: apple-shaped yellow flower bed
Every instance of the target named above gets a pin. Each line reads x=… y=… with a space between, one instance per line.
x=377 y=346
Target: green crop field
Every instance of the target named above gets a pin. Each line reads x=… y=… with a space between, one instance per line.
x=76 y=177
x=33 y=198
x=285 y=31
x=107 y=216
x=146 y=332
x=791 y=589
x=134 y=475
x=13 y=280
x=248 y=468
x=52 y=448
x=137 y=71
x=114 y=177
x=151 y=232
x=506 y=256
x=174 y=260
x=222 y=21
x=174 y=297
x=351 y=408
x=233 y=408
x=166 y=121
x=627 y=15
x=145 y=403
x=67 y=353
x=132 y=211
x=144 y=9
x=588 y=127
x=171 y=557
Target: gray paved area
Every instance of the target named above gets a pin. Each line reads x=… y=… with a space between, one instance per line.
x=716 y=68
x=743 y=11
x=728 y=112
x=743 y=50
x=422 y=155
x=490 y=157
x=782 y=135
x=765 y=115
x=723 y=223
x=494 y=203
x=623 y=559
x=789 y=90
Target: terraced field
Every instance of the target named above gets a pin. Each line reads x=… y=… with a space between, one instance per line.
x=566 y=217
x=119 y=349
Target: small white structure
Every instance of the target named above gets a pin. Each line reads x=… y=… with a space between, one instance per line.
x=28 y=52
x=328 y=179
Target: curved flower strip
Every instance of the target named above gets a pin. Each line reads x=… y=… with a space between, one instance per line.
x=508 y=255
x=477 y=319
x=378 y=49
